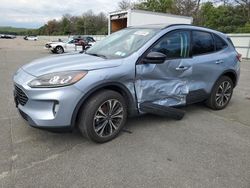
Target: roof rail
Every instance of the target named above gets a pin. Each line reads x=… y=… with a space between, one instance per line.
x=176 y=25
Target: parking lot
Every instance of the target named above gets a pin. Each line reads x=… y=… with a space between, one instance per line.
x=205 y=149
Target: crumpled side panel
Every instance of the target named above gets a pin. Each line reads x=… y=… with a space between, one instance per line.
x=162 y=92
x=160 y=86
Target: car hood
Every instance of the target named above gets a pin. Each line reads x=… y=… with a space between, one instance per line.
x=68 y=62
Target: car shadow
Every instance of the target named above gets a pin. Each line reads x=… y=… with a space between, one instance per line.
x=132 y=124
x=143 y=120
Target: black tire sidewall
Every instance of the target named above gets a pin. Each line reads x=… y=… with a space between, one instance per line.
x=88 y=112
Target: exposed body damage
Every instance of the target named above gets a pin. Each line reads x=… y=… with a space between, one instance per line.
x=162 y=84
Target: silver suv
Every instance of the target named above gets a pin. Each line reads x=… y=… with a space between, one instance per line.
x=148 y=69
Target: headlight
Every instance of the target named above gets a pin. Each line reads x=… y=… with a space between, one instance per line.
x=58 y=79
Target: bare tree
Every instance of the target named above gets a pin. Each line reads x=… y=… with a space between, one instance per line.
x=223 y=2
x=125 y=4
x=245 y=4
x=187 y=7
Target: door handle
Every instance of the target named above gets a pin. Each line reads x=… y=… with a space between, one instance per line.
x=181 y=68
x=219 y=61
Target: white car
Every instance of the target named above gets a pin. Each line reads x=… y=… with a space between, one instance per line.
x=73 y=44
x=31 y=37
x=61 y=46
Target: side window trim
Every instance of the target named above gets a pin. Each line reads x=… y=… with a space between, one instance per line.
x=139 y=61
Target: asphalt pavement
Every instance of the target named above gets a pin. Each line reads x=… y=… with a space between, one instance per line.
x=205 y=149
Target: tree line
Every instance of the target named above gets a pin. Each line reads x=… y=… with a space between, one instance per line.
x=86 y=24
x=229 y=16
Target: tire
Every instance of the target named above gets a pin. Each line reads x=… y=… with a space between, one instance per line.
x=96 y=121
x=221 y=94
x=59 y=50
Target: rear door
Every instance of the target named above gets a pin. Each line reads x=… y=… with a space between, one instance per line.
x=70 y=46
x=167 y=83
x=208 y=62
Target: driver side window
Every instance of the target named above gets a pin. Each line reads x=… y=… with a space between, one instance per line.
x=174 y=45
x=72 y=41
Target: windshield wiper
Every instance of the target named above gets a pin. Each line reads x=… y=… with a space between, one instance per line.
x=97 y=55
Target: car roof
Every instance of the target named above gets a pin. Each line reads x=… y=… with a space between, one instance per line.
x=177 y=26
x=149 y=26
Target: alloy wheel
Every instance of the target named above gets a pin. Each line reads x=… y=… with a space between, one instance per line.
x=108 y=118
x=223 y=93
x=59 y=50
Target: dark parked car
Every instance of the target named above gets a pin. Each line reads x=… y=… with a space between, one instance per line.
x=3 y=36
x=87 y=39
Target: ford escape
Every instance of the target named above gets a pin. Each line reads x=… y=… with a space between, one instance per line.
x=145 y=69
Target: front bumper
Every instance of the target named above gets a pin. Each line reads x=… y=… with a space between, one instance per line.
x=51 y=49
x=46 y=107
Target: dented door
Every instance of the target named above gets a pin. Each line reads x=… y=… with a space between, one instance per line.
x=166 y=84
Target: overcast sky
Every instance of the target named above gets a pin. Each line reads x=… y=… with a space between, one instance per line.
x=34 y=13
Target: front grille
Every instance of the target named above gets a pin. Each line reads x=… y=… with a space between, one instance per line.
x=21 y=97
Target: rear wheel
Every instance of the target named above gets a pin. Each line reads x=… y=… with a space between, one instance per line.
x=59 y=50
x=221 y=94
x=103 y=116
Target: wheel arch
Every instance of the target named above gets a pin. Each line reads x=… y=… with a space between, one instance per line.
x=231 y=74
x=118 y=87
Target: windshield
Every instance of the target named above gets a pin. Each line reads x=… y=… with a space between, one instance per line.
x=122 y=43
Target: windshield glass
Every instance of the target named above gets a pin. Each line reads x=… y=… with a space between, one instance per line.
x=122 y=43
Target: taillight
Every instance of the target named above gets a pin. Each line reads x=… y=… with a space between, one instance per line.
x=239 y=57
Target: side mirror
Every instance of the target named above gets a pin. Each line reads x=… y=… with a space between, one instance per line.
x=154 y=58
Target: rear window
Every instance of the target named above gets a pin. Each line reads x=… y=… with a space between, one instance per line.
x=219 y=43
x=202 y=43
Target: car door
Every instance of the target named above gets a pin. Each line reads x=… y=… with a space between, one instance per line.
x=207 y=63
x=70 y=46
x=166 y=83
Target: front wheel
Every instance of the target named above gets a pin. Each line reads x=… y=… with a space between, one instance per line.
x=59 y=50
x=221 y=94
x=103 y=116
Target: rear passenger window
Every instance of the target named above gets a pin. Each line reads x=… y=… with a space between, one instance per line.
x=219 y=43
x=202 y=43
x=174 y=45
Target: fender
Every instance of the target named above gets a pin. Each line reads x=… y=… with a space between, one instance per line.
x=232 y=72
x=132 y=107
